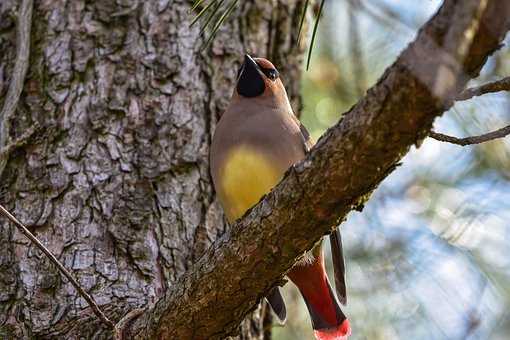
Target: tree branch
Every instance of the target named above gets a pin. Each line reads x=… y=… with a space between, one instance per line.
x=500 y=133
x=338 y=175
x=496 y=86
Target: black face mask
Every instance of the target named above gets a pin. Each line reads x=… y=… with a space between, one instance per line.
x=250 y=82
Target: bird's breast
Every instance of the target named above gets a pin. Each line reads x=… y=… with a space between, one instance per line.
x=247 y=174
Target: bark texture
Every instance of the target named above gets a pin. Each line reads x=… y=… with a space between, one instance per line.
x=339 y=174
x=116 y=181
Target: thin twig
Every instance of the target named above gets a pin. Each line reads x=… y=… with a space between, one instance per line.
x=90 y=300
x=19 y=71
x=496 y=86
x=503 y=132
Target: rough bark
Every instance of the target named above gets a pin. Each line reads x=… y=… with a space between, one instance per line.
x=116 y=180
x=339 y=174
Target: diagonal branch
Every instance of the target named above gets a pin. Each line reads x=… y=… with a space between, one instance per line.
x=338 y=175
x=500 y=133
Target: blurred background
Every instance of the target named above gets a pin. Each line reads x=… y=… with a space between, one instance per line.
x=429 y=256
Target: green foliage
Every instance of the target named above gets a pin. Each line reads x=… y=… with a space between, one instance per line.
x=220 y=11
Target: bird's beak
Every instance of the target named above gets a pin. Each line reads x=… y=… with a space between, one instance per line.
x=250 y=82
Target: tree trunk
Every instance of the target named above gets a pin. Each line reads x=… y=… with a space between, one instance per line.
x=116 y=181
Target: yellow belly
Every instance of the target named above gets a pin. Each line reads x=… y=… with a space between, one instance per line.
x=246 y=176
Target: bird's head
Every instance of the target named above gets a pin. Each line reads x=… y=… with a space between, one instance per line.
x=258 y=78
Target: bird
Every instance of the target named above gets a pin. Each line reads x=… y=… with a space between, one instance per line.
x=257 y=138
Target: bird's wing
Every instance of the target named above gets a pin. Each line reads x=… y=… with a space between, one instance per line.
x=335 y=240
x=307 y=140
x=277 y=304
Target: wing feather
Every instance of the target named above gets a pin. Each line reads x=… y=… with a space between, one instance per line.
x=277 y=304
x=335 y=240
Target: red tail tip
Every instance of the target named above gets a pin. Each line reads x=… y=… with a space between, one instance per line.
x=342 y=332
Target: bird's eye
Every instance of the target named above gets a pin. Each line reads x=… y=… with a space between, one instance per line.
x=271 y=73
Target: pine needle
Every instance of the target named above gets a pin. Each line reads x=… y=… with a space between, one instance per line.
x=214 y=9
x=195 y=5
x=314 y=33
x=303 y=16
x=211 y=15
x=202 y=12
x=225 y=15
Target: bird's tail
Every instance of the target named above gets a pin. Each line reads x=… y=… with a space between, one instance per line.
x=328 y=320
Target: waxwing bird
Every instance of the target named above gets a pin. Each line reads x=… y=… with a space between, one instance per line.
x=257 y=139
